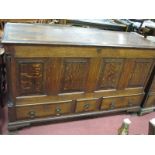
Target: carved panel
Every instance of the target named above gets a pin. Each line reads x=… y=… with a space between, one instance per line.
x=74 y=75
x=109 y=73
x=31 y=77
x=140 y=73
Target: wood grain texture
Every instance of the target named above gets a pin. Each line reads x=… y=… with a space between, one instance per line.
x=87 y=105
x=36 y=51
x=109 y=73
x=140 y=73
x=134 y=100
x=93 y=74
x=74 y=75
x=13 y=78
x=30 y=100
x=31 y=77
x=150 y=100
x=121 y=102
x=65 y=35
x=55 y=75
x=11 y=96
x=44 y=110
x=80 y=70
x=128 y=67
x=113 y=103
x=152 y=89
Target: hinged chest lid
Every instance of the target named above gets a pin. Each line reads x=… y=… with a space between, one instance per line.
x=21 y=33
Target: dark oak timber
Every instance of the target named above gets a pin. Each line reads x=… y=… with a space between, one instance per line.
x=62 y=72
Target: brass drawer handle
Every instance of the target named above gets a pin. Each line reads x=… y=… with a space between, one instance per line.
x=112 y=105
x=86 y=106
x=58 y=110
x=32 y=114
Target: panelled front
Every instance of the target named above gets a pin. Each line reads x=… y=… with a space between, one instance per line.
x=66 y=70
x=38 y=76
x=43 y=110
x=93 y=83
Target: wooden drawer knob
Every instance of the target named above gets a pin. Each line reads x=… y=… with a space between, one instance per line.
x=32 y=114
x=58 y=110
x=112 y=105
x=86 y=106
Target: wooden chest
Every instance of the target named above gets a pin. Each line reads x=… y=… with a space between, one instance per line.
x=62 y=72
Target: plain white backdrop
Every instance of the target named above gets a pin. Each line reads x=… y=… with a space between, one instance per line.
x=77 y=9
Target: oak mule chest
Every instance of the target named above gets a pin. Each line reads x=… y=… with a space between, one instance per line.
x=62 y=72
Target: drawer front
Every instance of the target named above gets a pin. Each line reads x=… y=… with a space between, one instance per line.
x=113 y=103
x=44 y=110
x=150 y=102
x=87 y=105
x=134 y=100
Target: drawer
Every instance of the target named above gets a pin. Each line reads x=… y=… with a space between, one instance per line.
x=113 y=103
x=134 y=100
x=87 y=105
x=44 y=110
